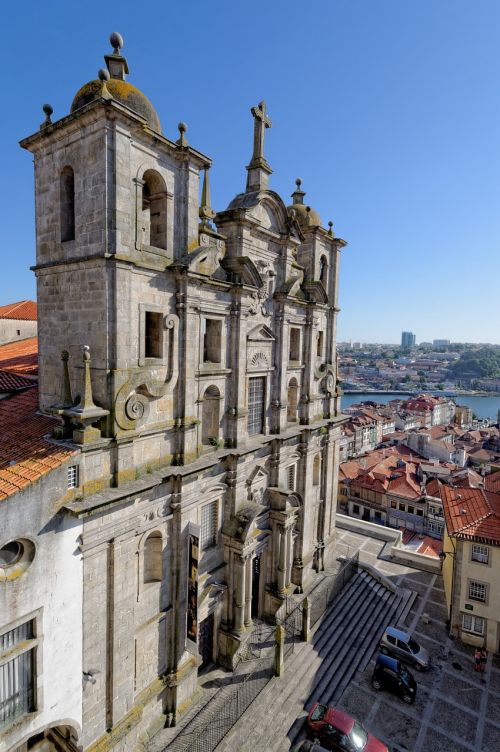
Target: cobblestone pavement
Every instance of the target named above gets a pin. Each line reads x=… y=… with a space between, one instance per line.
x=456 y=709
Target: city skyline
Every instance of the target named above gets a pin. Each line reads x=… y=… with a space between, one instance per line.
x=405 y=156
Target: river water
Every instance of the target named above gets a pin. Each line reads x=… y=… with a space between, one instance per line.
x=483 y=407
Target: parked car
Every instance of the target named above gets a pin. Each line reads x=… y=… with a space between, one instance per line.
x=402 y=645
x=389 y=673
x=339 y=732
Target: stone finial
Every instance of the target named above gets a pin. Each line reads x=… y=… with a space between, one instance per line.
x=206 y=212
x=103 y=76
x=47 y=111
x=86 y=412
x=298 y=194
x=258 y=169
x=66 y=398
x=117 y=64
x=330 y=228
x=182 y=140
x=116 y=41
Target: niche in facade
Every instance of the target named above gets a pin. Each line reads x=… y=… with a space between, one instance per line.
x=210 y=416
x=153 y=558
x=292 y=399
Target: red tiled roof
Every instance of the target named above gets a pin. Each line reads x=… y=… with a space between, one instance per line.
x=11 y=382
x=25 y=310
x=432 y=487
x=20 y=357
x=25 y=455
x=492 y=482
x=472 y=514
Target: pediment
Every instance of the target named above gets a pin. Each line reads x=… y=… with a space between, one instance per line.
x=316 y=291
x=205 y=259
x=259 y=473
x=261 y=333
x=242 y=270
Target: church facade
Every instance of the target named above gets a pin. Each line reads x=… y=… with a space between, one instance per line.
x=190 y=357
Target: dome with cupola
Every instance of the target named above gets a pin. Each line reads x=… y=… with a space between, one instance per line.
x=111 y=84
x=305 y=215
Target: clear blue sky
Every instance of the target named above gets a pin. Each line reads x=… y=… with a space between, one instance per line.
x=389 y=111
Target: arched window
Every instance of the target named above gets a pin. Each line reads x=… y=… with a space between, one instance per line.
x=323 y=271
x=153 y=558
x=293 y=396
x=67 y=204
x=210 y=416
x=154 y=210
x=316 y=470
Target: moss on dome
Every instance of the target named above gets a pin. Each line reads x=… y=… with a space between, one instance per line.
x=124 y=93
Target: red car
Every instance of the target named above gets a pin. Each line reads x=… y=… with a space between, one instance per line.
x=339 y=732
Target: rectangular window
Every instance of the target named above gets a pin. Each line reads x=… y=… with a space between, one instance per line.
x=319 y=345
x=436 y=527
x=411 y=510
x=17 y=675
x=256 y=397
x=355 y=508
x=480 y=553
x=291 y=477
x=153 y=335
x=420 y=512
x=73 y=476
x=208 y=527
x=477 y=591
x=393 y=505
x=212 y=341
x=294 y=344
x=474 y=624
x=402 y=507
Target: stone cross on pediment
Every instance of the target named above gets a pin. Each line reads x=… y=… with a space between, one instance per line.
x=258 y=169
x=260 y=123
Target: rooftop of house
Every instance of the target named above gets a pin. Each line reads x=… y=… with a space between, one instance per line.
x=24 y=310
x=472 y=514
x=13 y=382
x=26 y=451
x=492 y=482
x=391 y=470
x=20 y=357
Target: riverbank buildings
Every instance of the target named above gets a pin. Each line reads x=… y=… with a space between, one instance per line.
x=177 y=477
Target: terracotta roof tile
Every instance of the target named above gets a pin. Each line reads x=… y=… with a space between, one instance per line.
x=26 y=454
x=20 y=357
x=24 y=310
x=472 y=514
x=11 y=382
x=492 y=482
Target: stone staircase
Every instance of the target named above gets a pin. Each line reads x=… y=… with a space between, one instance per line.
x=342 y=643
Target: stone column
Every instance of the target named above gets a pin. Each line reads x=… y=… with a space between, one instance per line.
x=279 y=658
x=248 y=591
x=239 y=596
x=282 y=559
x=289 y=555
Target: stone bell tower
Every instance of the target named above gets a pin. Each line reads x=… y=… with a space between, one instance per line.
x=116 y=204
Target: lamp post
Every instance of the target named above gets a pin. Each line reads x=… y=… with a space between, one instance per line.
x=442 y=556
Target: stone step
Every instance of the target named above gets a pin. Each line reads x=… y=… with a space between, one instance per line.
x=310 y=666
x=280 y=701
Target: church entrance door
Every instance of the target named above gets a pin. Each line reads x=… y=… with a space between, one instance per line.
x=255 y=585
x=206 y=641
